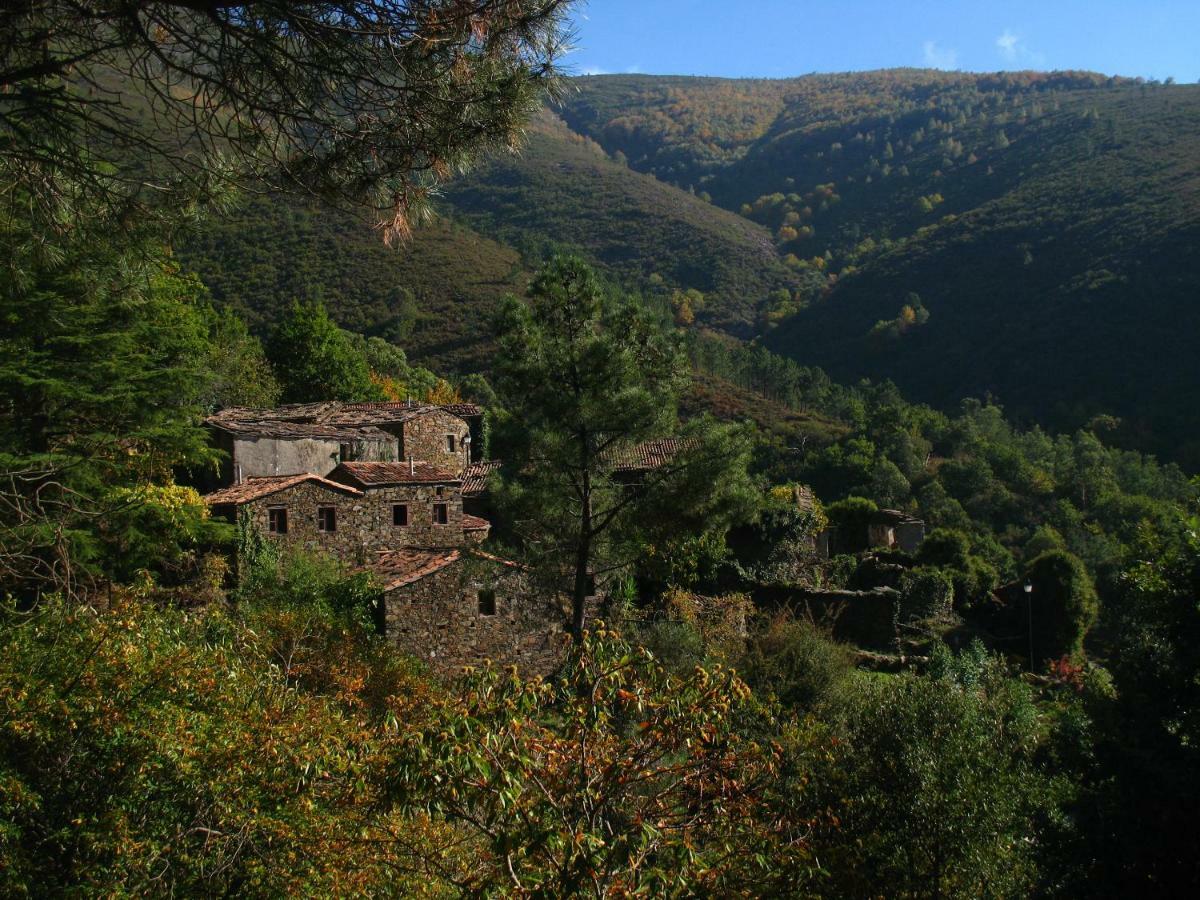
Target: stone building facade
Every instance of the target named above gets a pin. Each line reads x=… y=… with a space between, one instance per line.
x=381 y=487
x=302 y=511
x=456 y=608
x=288 y=448
x=411 y=505
x=317 y=437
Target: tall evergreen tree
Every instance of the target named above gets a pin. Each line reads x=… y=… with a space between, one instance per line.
x=586 y=377
x=102 y=371
x=370 y=101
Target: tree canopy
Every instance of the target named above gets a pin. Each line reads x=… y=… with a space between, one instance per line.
x=370 y=102
x=586 y=377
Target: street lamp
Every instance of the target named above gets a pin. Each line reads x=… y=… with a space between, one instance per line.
x=1029 y=611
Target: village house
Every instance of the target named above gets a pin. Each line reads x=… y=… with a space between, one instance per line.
x=384 y=492
x=393 y=489
x=317 y=437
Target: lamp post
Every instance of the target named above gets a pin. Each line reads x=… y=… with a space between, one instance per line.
x=1029 y=612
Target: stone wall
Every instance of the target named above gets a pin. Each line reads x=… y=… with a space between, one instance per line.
x=424 y=439
x=258 y=456
x=375 y=521
x=301 y=502
x=438 y=620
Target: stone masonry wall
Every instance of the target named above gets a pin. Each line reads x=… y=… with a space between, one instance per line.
x=437 y=619
x=301 y=502
x=375 y=521
x=425 y=440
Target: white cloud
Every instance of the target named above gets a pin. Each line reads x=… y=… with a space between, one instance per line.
x=1013 y=49
x=635 y=69
x=940 y=57
x=1008 y=44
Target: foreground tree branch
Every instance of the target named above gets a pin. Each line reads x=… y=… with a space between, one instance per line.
x=370 y=103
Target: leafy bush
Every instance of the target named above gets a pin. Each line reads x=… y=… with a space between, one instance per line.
x=797 y=662
x=1064 y=604
x=925 y=593
x=148 y=751
x=932 y=784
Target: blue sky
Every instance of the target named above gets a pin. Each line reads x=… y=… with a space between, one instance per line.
x=776 y=38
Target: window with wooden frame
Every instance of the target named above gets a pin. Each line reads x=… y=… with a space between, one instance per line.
x=326 y=518
x=400 y=515
x=277 y=520
x=451 y=443
x=487 y=603
x=441 y=513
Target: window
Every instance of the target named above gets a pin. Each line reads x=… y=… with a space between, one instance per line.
x=277 y=520
x=441 y=513
x=400 y=515
x=326 y=518
x=487 y=603
x=345 y=453
x=450 y=443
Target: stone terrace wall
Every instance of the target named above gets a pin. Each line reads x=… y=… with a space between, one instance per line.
x=437 y=620
x=425 y=440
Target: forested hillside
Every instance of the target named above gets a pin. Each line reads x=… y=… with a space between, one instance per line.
x=1024 y=236
x=1044 y=223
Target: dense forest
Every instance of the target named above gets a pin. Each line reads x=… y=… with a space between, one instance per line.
x=770 y=701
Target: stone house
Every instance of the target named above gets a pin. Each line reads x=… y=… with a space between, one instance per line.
x=432 y=434
x=891 y=528
x=317 y=437
x=304 y=511
x=444 y=599
x=462 y=607
x=411 y=504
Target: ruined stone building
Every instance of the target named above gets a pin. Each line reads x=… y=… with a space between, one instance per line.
x=382 y=487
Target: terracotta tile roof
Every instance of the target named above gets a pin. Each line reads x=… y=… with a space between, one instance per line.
x=499 y=560
x=474 y=523
x=475 y=477
x=466 y=410
x=396 y=568
x=649 y=455
x=257 y=488
x=376 y=474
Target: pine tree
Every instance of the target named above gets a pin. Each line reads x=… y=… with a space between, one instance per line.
x=586 y=377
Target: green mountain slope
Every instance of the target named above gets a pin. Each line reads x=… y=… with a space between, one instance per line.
x=1046 y=222
x=562 y=190
x=434 y=296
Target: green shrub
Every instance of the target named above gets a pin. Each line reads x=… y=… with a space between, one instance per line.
x=797 y=662
x=925 y=593
x=931 y=784
x=1064 y=604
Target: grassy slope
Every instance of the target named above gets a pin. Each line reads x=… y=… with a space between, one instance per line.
x=562 y=190
x=435 y=296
